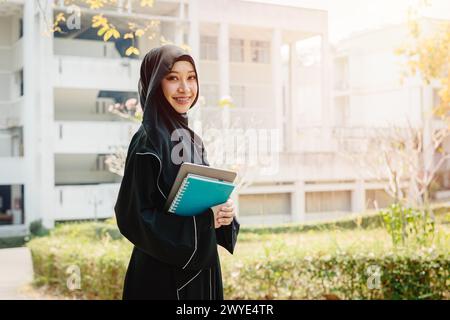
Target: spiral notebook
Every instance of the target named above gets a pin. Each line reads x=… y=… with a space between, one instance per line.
x=198 y=193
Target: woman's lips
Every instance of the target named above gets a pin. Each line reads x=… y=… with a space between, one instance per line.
x=182 y=100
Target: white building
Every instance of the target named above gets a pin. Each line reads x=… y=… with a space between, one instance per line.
x=55 y=89
x=273 y=60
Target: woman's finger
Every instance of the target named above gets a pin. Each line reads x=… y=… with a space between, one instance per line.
x=227 y=209
x=225 y=221
x=229 y=203
x=225 y=214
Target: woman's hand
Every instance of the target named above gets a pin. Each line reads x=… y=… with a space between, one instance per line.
x=223 y=213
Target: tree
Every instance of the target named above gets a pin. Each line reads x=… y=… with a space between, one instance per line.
x=106 y=29
x=428 y=54
x=399 y=161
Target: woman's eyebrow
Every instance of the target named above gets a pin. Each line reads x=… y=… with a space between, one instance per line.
x=179 y=72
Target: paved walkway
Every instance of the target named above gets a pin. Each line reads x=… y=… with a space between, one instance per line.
x=16 y=272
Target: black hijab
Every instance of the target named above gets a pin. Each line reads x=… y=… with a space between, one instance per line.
x=161 y=121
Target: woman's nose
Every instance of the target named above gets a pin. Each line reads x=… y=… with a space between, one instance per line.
x=183 y=87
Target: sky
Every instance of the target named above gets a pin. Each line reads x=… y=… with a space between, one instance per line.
x=349 y=16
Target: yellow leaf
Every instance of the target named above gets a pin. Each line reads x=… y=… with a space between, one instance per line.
x=108 y=34
x=102 y=30
x=98 y=21
x=129 y=51
x=95 y=4
x=115 y=33
x=60 y=17
x=132 y=50
x=139 y=33
x=128 y=36
x=97 y=24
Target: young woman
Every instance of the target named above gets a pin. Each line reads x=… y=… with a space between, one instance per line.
x=174 y=257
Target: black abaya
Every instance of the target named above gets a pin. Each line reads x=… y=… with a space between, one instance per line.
x=174 y=257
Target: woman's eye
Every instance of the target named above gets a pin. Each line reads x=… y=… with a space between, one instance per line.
x=175 y=78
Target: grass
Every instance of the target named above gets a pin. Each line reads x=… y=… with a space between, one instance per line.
x=375 y=240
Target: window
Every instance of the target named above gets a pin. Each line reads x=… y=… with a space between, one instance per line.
x=238 y=95
x=265 y=204
x=11 y=204
x=328 y=201
x=260 y=51
x=20 y=28
x=236 y=50
x=21 y=82
x=18 y=78
x=208 y=48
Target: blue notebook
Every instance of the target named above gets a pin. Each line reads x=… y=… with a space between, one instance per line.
x=197 y=193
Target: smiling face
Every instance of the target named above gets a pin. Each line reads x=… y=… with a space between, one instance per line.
x=180 y=86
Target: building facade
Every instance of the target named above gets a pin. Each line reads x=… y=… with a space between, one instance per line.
x=275 y=63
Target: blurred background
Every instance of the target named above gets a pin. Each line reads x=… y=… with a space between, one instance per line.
x=342 y=104
x=327 y=75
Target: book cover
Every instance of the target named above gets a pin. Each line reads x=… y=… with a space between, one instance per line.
x=197 y=193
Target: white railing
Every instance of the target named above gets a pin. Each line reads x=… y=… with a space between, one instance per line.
x=92 y=136
x=5 y=58
x=85 y=201
x=85 y=48
x=13 y=170
x=11 y=56
x=98 y=73
x=11 y=113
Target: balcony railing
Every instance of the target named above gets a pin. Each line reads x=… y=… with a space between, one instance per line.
x=11 y=113
x=11 y=56
x=85 y=201
x=11 y=142
x=98 y=73
x=92 y=136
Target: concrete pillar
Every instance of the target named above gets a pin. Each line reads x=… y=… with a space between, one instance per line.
x=224 y=60
x=179 y=28
x=195 y=115
x=277 y=73
x=291 y=99
x=224 y=69
x=325 y=88
x=194 y=30
x=46 y=105
x=359 y=197
x=298 y=202
x=30 y=130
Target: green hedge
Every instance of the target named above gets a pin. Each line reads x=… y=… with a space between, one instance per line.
x=341 y=276
x=101 y=265
x=275 y=271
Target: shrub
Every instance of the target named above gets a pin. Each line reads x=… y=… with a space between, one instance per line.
x=277 y=269
x=341 y=275
x=408 y=224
